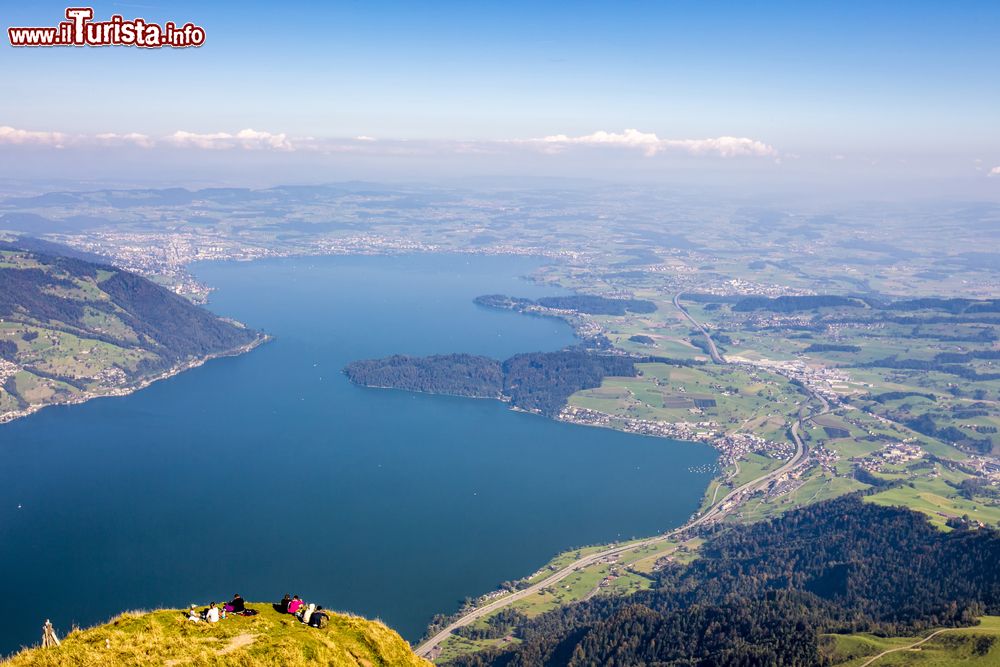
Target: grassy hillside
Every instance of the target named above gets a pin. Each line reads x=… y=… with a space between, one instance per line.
x=72 y=329
x=166 y=638
x=975 y=647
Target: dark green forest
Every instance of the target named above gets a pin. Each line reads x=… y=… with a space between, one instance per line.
x=543 y=381
x=832 y=347
x=597 y=305
x=538 y=381
x=761 y=594
x=938 y=365
x=580 y=303
x=954 y=305
x=453 y=374
x=792 y=304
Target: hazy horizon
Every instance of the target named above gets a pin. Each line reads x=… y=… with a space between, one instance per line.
x=853 y=101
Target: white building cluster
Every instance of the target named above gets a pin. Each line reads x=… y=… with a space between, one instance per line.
x=733 y=446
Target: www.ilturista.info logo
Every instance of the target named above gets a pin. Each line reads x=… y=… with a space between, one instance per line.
x=81 y=30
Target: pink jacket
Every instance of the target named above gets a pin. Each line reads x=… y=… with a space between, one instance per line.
x=294 y=605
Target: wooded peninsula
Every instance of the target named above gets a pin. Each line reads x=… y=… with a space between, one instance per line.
x=538 y=382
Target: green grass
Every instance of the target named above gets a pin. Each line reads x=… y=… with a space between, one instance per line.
x=562 y=560
x=753 y=466
x=644 y=559
x=824 y=487
x=753 y=401
x=455 y=646
x=165 y=637
x=977 y=646
x=938 y=500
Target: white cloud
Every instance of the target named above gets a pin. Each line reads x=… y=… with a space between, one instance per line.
x=650 y=144
x=724 y=147
x=255 y=140
x=11 y=135
x=995 y=171
x=214 y=140
x=248 y=139
x=140 y=140
x=53 y=139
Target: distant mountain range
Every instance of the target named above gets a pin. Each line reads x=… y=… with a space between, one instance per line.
x=73 y=327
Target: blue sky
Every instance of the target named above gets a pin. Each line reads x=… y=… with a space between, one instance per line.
x=912 y=84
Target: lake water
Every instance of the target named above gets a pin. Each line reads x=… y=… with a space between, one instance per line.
x=270 y=473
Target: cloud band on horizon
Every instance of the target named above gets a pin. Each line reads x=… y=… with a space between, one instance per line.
x=650 y=144
x=249 y=139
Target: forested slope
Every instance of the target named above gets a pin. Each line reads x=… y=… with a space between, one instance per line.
x=71 y=328
x=763 y=593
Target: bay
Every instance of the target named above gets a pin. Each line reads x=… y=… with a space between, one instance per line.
x=270 y=473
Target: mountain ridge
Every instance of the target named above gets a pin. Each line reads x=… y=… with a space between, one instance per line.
x=166 y=637
x=72 y=329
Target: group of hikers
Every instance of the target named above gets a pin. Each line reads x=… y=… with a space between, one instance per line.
x=312 y=615
x=214 y=614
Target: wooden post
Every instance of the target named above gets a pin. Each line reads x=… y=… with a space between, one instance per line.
x=49 y=638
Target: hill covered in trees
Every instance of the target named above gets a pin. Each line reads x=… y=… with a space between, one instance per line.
x=578 y=303
x=764 y=593
x=72 y=328
x=538 y=382
x=453 y=374
x=793 y=304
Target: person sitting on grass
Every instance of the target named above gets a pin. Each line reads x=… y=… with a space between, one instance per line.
x=294 y=605
x=237 y=605
x=282 y=606
x=319 y=618
x=193 y=614
x=306 y=612
x=212 y=615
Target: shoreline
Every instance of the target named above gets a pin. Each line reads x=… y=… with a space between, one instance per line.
x=678 y=431
x=119 y=392
x=501 y=398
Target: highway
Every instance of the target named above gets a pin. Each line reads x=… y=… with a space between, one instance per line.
x=716 y=511
x=713 y=351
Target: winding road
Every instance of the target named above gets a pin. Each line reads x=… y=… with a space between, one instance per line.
x=910 y=646
x=716 y=511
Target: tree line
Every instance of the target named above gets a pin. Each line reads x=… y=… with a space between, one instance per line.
x=579 y=303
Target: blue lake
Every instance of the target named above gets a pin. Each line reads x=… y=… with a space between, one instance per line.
x=270 y=473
